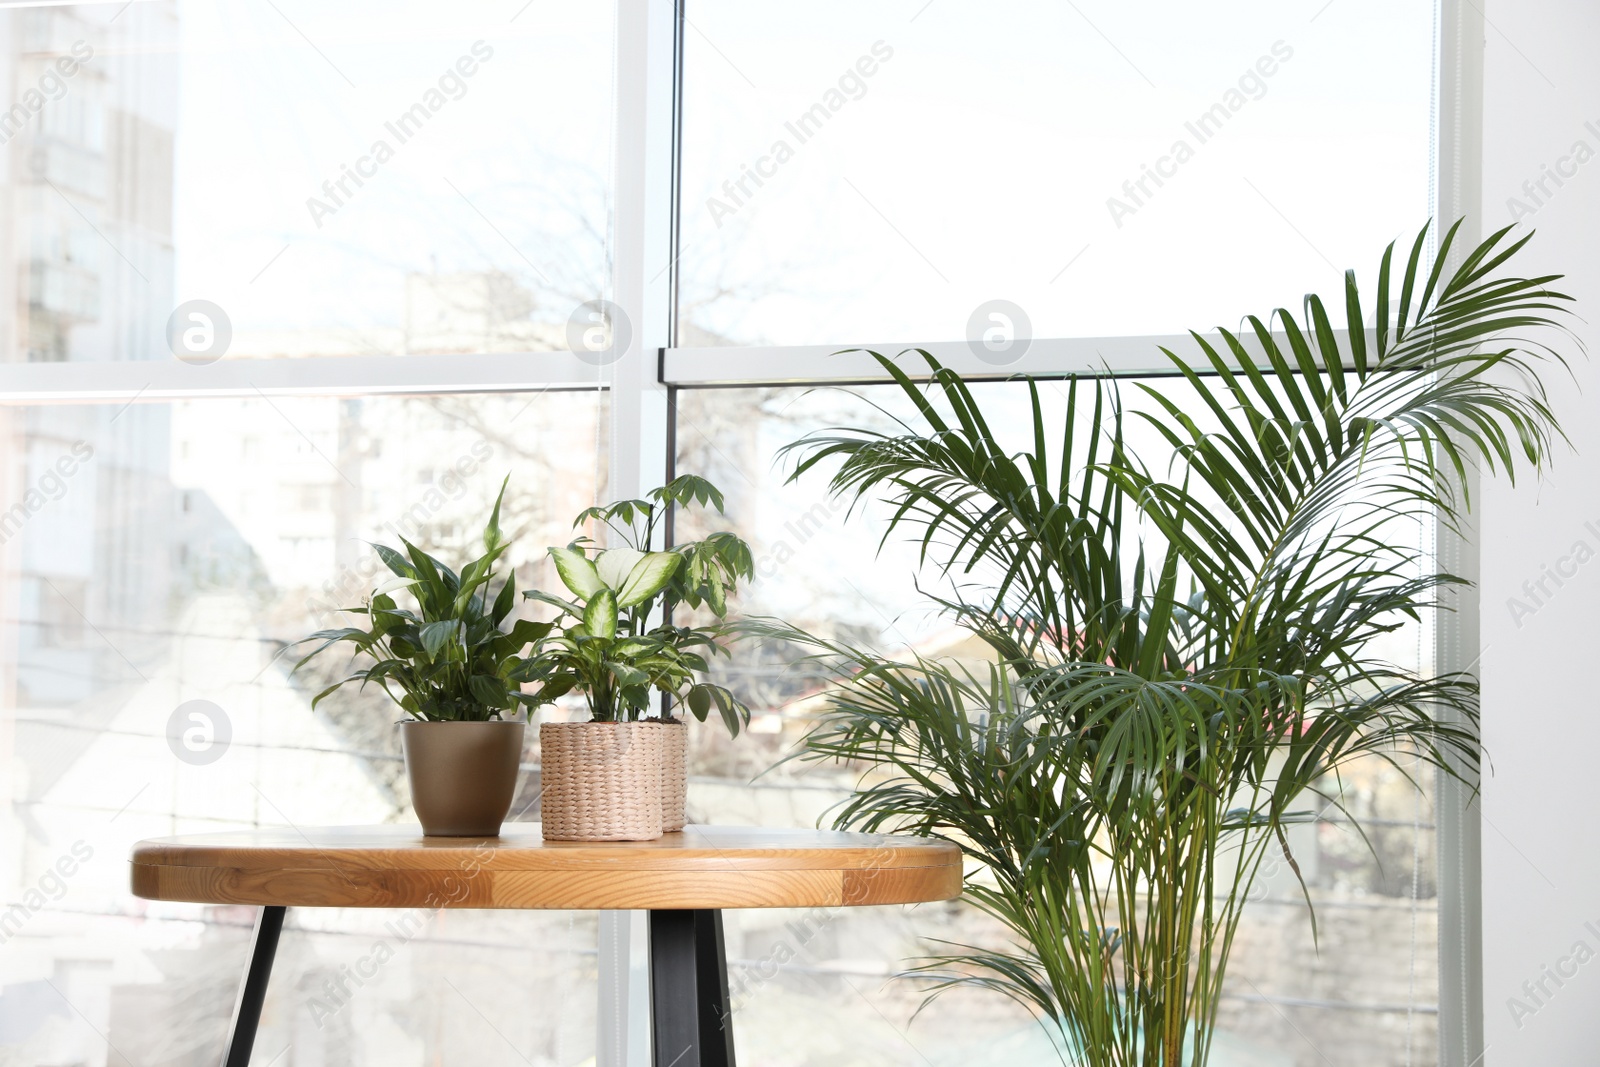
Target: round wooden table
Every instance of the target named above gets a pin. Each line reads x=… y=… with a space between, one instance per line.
x=684 y=880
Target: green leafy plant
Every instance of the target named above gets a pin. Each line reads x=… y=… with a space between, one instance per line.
x=1184 y=658
x=617 y=642
x=449 y=657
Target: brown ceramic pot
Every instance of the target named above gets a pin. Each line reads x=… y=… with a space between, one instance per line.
x=463 y=774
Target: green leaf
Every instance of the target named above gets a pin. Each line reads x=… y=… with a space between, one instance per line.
x=567 y=606
x=474 y=575
x=505 y=601
x=493 y=539
x=734 y=713
x=524 y=632
x=715 y=596
x=648 y=577
x=613 y=566
x=394 y=583
x=577 y=572
x=435 y=635
x=625 y=674
x=489 y=691
x=635 y=647
x=532 y=669
x=426 y=566
x=600 y=617
x=332 y=688
x=393 y=560
x=689 y=489
x=331 y=637
x=558 y=686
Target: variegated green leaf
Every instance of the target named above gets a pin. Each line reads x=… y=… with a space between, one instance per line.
x=614 y=565
x=647 y=578
x=577 y=572
x=600 y=617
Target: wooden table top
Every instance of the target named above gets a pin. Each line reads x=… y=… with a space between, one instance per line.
x=397 y=867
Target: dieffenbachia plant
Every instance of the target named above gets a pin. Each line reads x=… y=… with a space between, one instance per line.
x=616 y=640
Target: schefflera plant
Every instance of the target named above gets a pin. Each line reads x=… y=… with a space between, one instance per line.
x=605 y=644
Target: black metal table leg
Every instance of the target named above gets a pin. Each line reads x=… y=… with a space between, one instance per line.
x=690 y=1018
x=247 y=1009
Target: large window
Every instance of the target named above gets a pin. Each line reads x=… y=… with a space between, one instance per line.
x=286 y=277
x=857 y=173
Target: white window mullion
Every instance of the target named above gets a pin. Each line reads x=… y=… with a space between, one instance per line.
x=171 y=379
x=647 y=78
x=1458 y=156
x=644 y=203
x=1136 y=356
x=690 y=367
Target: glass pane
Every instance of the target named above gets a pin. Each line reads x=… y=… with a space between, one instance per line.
x=159 y=555
x=872 y=172
x=1365 y=996
x=347 y=179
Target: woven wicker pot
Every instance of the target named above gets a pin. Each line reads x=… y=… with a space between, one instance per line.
x=463 y=774
x=674 y=772
x=601 y=781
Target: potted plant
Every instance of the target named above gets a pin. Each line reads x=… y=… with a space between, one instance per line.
x=622 y=774
x=447 y=661
x=1183 y=651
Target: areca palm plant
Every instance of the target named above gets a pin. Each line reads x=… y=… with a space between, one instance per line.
x=1183 y=655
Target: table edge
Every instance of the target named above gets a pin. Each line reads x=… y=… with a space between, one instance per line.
x=548 y=889
x=869 y=852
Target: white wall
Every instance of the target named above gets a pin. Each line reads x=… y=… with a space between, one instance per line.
x=1541 y=805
